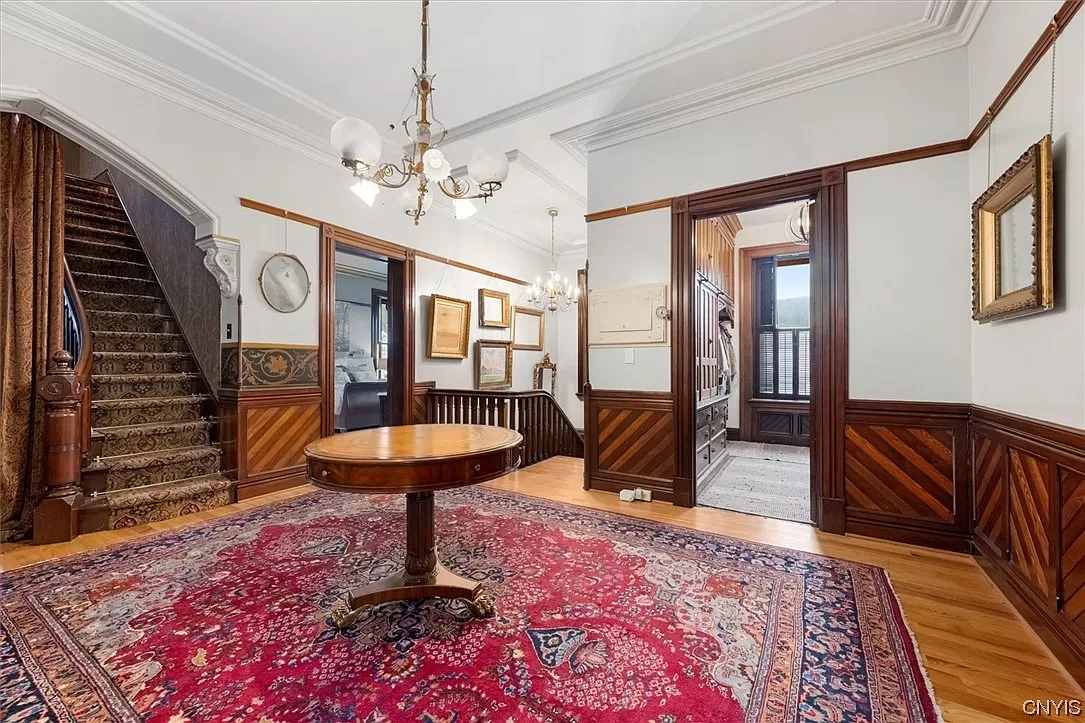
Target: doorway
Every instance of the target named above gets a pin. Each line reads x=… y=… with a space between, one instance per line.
x=752 y=367
x=826 y=189
x=367 y=331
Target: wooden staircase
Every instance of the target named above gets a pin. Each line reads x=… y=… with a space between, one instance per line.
x=151 y=453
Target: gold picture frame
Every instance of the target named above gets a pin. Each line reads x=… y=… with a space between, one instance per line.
x=1013 y=266
x=523 y=331
x=486 y=315
x=537 y=377
x=493 y=364
x=283 y=292
x=449 y=327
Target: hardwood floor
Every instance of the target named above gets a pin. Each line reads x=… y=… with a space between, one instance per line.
x=983 y=660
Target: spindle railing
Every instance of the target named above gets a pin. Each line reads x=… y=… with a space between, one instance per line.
x=77 y=342
x=547 y=430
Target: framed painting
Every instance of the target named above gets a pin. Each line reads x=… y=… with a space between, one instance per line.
x=449 y=327
x=493 y=364
x=528 y=327
x=493 y=308
x=1013 y=266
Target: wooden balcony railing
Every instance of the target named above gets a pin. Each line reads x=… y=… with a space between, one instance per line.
x=547 y=430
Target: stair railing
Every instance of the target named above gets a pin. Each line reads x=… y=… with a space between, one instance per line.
x=547 y=430
x=77 y=342
x=65 y=392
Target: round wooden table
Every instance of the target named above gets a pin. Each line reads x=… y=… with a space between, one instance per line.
x=414 y=460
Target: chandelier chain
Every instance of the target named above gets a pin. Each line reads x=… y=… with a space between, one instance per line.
x=1051 y=111
x=990 y=123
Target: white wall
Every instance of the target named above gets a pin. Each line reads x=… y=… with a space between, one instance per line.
x=909 y=282
x=628 y=251
x=217 y=163
x=1034 y=365
x=566 y=359
x=432 y=277
x=900 y=107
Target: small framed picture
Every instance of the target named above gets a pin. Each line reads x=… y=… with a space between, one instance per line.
x=527 y=329
x=1013 y=270
x=449 y=327
x=493 y=308
x=493 y=364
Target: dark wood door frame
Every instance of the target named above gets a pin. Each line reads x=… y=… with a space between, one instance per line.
x=747 y=347
x=401 y=275
x=829 y=319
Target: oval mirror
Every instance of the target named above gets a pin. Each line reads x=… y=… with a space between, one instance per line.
x=284 y=283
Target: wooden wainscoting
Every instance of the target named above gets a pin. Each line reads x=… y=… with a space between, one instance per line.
x=777 y=421
x=629 y=441
x=906 y=472
x=264 y=431
x=1028 y=520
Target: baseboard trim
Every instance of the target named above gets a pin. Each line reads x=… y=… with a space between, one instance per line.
x=899 y=529
x=1063 y=642
x=269 y=482
x=603 y=482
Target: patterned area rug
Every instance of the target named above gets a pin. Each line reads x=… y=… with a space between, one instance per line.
x=600 y=617
x=770 y=480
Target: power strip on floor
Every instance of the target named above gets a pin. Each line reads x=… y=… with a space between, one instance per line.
x=635 y=495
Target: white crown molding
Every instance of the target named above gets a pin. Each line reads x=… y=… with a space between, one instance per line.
x=38 y=105
x=183 y=35
x=56 y=33
x=529 y=164
x=937 y=32
x=634 y=68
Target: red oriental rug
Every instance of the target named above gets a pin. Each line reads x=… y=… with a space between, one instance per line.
x=600 y=617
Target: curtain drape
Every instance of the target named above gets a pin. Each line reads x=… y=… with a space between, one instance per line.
x=31 y=305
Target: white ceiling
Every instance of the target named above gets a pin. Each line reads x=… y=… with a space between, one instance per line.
x=545 y=81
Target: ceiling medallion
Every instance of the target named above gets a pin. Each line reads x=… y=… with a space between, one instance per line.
x=556 y=294
x=359 y=146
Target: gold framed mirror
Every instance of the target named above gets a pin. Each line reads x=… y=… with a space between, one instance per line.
x=284 y=282
x=1013 y=239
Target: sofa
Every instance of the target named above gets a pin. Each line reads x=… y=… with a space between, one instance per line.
x=357 y=393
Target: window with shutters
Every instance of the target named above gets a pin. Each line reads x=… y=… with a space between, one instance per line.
x=782 y=326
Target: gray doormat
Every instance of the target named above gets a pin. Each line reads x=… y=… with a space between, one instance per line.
x=771 y=480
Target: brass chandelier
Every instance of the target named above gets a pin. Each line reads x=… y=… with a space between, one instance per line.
x=359 y=146
x=557 y=294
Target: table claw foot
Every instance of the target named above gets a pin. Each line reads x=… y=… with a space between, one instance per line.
x=343 y=617
x=481 y=606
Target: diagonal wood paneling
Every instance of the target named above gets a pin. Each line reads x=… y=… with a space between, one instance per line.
x=989 y=495
x=276 y=435
x=902 y=470
x=1029 y=532
x=636 y=442
x=1072 y=523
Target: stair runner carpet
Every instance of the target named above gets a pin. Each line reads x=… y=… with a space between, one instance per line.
x=146 y=391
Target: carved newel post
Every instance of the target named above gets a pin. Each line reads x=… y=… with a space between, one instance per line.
x=56 y=518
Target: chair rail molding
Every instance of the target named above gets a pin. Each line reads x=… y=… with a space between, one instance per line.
x=222 y=259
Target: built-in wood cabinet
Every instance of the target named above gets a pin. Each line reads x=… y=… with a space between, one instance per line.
x=715 y=256
x=711 y=435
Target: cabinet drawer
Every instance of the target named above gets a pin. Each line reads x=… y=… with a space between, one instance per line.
x=703 y=417
x=718 y=446
x=704 y=458
x=703 y=435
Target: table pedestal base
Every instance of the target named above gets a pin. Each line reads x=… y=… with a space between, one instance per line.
x=422 y=575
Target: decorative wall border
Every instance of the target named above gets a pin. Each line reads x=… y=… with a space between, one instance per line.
x=270 y=365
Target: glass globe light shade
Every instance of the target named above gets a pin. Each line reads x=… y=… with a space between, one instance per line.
x=485 y=166
x=357 y=140
x=464 y=208
x=408 y=200
x=366 y=190
x=436 y=165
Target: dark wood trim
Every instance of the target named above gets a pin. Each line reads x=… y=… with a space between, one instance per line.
x=950 y=532
x=683 y=343
x=469 y=267
x=627 y=210
x=829 y=322
x=582 y=331
x=400 y=292
x=638 y=443
x=1058 y=24
x=1055 y=438
x=280 y=212
x=234 y=405
x=746 y=346
x=1039 y=49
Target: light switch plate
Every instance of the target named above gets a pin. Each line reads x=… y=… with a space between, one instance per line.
x=628 y=356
